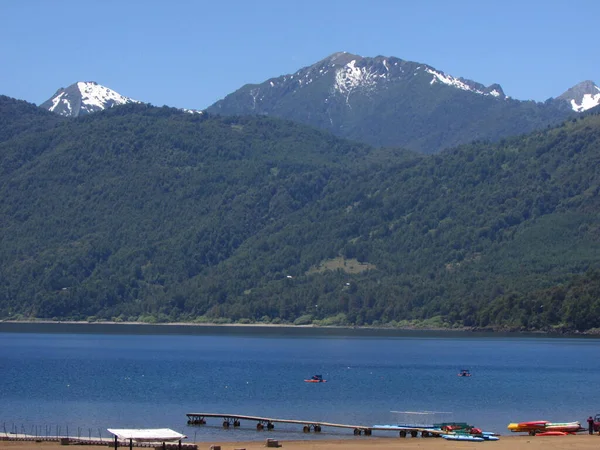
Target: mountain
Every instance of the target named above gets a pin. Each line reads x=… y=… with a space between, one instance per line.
x=85 y=97
x=386 y=101
x=583 y=96
x=382 y=101
x=82 y=98
x=151 y=214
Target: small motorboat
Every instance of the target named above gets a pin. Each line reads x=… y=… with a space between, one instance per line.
x=316 y=379
x=464 y=373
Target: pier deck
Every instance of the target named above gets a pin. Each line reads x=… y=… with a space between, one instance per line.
x=308 y=425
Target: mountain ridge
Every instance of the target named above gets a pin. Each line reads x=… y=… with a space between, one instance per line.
x=352 y=75
x=382 y=101
x=387 y=101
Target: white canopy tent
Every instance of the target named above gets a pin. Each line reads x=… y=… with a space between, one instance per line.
x=146 y=435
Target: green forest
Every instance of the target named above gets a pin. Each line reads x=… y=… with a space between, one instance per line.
x=150 y=214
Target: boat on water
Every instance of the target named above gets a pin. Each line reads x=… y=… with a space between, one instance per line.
x=464 y=373
x=316 y=379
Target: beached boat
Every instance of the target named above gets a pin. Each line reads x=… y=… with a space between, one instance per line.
x=542 y=426
x=488 y=436
x=567 y=427
x=553 y=433
x=533 y=425
x=463 y=437
x=455 y=429
x=464 y=429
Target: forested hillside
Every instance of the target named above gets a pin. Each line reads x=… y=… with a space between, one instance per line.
x=152 y=214
x=19 y=116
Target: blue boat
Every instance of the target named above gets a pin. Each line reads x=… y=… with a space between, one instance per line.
x=462 y=437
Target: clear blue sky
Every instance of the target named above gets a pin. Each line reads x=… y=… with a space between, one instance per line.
x=191 y=53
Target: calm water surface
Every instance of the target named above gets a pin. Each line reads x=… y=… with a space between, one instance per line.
x=89 y=381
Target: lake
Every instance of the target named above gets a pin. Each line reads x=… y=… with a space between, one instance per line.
x=86 y=378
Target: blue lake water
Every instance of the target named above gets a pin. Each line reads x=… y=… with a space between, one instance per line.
x=86 y=379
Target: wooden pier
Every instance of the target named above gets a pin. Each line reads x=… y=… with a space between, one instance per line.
x=268 y=423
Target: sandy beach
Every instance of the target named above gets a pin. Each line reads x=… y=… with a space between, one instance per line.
x=578 y=442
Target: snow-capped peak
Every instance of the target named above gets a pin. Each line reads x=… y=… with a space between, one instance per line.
x=366 y=73
x=582 y=96
x=345 y=75
x=102 y=97
x=84 y=97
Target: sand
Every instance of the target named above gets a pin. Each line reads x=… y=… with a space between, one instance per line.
x=578 y=442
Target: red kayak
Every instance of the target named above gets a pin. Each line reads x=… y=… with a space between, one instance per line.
x=528 y=426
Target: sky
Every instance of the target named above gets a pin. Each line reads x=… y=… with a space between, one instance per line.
x=191 y=53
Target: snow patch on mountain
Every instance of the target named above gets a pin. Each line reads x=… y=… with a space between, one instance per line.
x=58 y=100
x=350 y=77
x=582 y=96
x=100 y=97
x=587 y=101
x=460 y=84
x=450 y=81
x=367 y=73
x=192 y=111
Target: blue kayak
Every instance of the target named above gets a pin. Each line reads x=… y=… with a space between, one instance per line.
x=462 y=437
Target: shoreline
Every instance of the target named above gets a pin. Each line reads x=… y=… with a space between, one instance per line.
x=268 y=326
x=574 y=442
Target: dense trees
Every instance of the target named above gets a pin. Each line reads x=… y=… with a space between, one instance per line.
x=151 y=214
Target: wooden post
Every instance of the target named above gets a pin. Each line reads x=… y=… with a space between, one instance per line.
x=116 y=442
x=164 y=446
x=130 y=444
x=179 y=444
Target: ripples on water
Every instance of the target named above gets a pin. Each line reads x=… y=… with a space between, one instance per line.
x=89 y=378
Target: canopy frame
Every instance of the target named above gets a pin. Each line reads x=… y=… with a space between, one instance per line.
x=163 y=435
